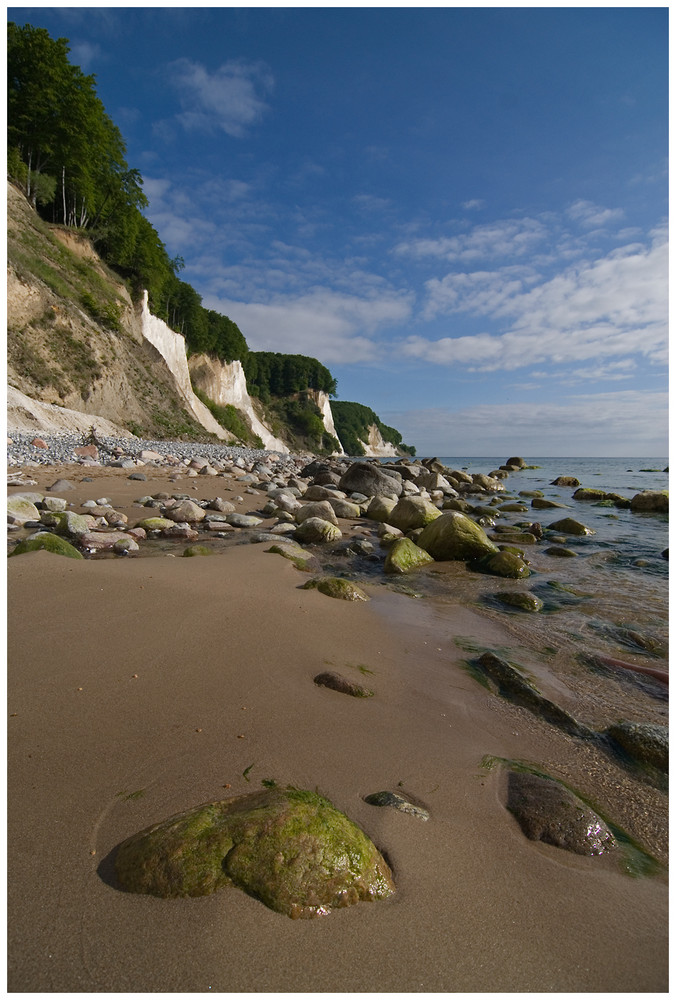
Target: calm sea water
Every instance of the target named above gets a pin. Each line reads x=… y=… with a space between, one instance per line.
x=610 y=599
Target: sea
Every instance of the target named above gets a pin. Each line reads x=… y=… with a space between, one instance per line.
x=611 y=599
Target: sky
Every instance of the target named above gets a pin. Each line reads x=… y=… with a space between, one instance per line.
x=461 y=211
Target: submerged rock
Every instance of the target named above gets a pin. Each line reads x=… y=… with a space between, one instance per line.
x=647 y=743
x=337 y=682
x=513 y=686
x=570 y=526
x=522 y=600
x=651 y=501
x=505 y=563
x=290 y=849
x=546 y=810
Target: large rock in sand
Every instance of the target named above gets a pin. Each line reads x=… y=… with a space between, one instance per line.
x=289 y=848
x=405 y=556
x=546 y=810
x=412 y=512
x=455 y=536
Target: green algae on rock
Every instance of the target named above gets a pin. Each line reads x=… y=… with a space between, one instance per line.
x=571 y=527
x=522 y=600
x=198 y=550
x=504 y=563
x=300 y=557
x=289 y=848
x=336 y=586
x=50 y=543
x=454 y=536
x=405 y=556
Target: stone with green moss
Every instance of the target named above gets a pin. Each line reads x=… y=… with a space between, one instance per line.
x=50 y=543
x=300 y=557
x=571 y=527
x=651 y=501
x=197 y=550
x=413 y=512
x=380 y=508
x=336 y=586
x=21 y=509
x=587 y=493
x=404 y=556
x=521 y=600
x=291 y=849
x=505 y=563
x=560 y=552
x=454 y=536
x=68 y=523
x=541 y=503
x=316 y=529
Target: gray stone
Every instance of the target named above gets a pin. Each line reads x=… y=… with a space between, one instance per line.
x=397 y=802
x=341 y=684
x=546 y=810
x=370 y=480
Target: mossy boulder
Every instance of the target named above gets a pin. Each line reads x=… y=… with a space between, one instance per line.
x=541 y=503
x=197 y=550
x=319 y=508
x=504 y=563
x=68 y=523
x=413 y=512
x=566 y=481
x=336 y=586
x=521 y=600
x=454 y=536
x=316 y=529
x=651 y=501
x=586 y=493
x=404 y=556
x=380 y=508
x=560 y=552
x=50 y=543
x=569 y=526
x=548 y=811
x=290 y=849
x=300 y=557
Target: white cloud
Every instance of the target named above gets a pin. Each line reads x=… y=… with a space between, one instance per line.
x=611 y=307
x=473 y=203
x=504 y=238
x=231 y=98
x=620 y=423
x=590 y=215
x=322 y=323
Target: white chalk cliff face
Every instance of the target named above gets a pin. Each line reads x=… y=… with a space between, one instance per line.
x=225 y=383
x=324 y=405
x=171 y=346
x=376 y=447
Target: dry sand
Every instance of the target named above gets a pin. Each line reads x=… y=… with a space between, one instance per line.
x=141 y=687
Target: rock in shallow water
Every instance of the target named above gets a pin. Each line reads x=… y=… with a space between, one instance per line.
x=289 y=848
x=546 y=810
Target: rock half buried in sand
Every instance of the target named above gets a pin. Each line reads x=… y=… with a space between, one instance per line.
x=289 y=848
x=300 y=557
x=50 y=543
x=546 y=810
x=339 y=683
x=396 y=802
x=336 y=586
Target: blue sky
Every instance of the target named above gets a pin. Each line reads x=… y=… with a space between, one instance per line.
x=462 y=212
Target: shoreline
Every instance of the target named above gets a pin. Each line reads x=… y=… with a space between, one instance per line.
x=225 y=650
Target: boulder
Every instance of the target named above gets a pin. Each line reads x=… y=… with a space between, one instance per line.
x=345 y=508
x=517 y=463
x=186 y=510
x=412 y=512
x=454 y=536
x=548 y=811
x=371 y=480
x=541 y=503
x=320 y=508
x=155 y=523
x=487 y=483
x=522 y=600
x=316 y=529
x=50 y=543
x=504 y=563
x=300 y=557
x=570 y=526
x=69 y=523
x=20 y=509
x=380 y=508
x=586 y=493
x=565 y=481
x=404 y=556
x=243 y=520
x=651 y=501
x=289 y=848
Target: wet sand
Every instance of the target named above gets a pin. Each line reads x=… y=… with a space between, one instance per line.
x=224 y=650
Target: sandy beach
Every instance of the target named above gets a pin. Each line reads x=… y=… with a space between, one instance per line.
x=141 y=687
